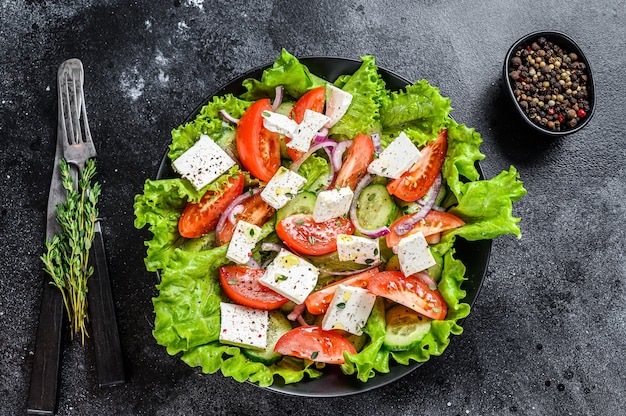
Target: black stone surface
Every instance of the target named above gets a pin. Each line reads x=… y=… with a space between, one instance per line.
x=548 y=333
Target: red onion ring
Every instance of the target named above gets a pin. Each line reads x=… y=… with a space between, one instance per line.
x=429 y=201
x=271 y=247
x=253 y=263
x=326 y=143
x=233 y=213
x=338 y=152
x=278 y=98
x=376 y=140
x=425 y=277
x=228 y=117
x=297 y=312
x=229 y=209
x=379 y=232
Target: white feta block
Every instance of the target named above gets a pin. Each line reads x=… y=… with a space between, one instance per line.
x=396 y=158
x=244 y=239
x=279 y=123
x=361 y=250
x=243 y=326
x=332 y=203
x=291 y=276
x=414 y=254
x=283 y=186
x=307 y=130
x=337 y=103
x=349 y=309
x=203 y=162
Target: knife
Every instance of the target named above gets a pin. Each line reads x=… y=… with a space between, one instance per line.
x=42 y=395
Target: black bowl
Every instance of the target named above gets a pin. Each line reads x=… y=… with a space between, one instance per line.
x=474 y=254
x=569 y=46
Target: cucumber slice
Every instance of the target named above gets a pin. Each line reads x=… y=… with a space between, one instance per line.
x=375 y=207
x=405 y=328
x=278 y=326
x=302 y=203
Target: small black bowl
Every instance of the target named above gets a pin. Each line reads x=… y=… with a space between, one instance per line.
x=558 y=112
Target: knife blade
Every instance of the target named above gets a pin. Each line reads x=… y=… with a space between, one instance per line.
x=42 y=395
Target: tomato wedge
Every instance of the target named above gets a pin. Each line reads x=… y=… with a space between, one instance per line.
x=254 y=211
x=312 y=100
x=434 y=222
x=241 y=284
x=318 y=301
x=358 y=156
x=257 y=147
x=315 y=344
x=198 y=219
x=415 y=182
x=302 y=234
x=410 y=291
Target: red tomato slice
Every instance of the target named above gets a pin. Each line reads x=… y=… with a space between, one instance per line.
x=198 y=219
x=434 y=222
x=311 y=100
x=302 y=234
x=255 y=211
x=358 y=156
x=410 y=291
x=315 y=344
x=415 y=182
x=241 y=284
x=257 y=147
x=318 y=301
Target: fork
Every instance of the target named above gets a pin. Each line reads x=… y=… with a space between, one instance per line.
x=78 y=148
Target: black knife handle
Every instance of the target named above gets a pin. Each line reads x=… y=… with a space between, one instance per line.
x=44 y=381
x=108 y=350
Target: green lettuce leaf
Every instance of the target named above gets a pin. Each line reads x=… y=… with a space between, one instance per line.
x=419 y=110
x=363 y=116
x=287 y=71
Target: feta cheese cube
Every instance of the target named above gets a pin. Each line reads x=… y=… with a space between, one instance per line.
x=332 y=203
x=291 y=276
x=306 y=130
x=349 y=309
x=337 y=103
x=361 y=250
x=279 y=123
x=243 y=241
x=243 y=326
x=396 y=159
x=203 y=162
x=414 y=254
x=283 y=186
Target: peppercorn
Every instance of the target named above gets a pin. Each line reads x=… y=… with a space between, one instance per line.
x=550 y=84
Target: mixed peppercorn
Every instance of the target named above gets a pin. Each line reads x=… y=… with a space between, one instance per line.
x=550 y=84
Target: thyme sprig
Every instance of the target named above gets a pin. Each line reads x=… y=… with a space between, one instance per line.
x=67 y=257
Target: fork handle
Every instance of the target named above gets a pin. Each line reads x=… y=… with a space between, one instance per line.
x=44 y=381
x=108 y=351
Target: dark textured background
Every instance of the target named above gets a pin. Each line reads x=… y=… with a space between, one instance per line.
x=548 y=333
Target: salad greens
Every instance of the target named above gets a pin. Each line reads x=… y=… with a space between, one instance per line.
x=187 y=314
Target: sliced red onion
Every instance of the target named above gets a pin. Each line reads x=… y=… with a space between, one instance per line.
x=228 y=212
x=327 y=143
x=278 y=98
x=425 y=277
x=379 y=232
x=233 y=213
x=428 y=202
x=253 y=263
x=297 y=312
x=271 y=247
x=338 y=152
x=228 y=117
x=378 y=147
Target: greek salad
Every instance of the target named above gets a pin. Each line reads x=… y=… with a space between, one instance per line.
x=312 y=222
